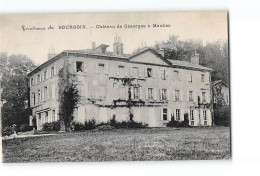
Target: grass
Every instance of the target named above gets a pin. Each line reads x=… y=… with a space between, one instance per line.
x=122 y=145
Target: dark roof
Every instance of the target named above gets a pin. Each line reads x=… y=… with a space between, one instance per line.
x=217 y=82
x=188 y=64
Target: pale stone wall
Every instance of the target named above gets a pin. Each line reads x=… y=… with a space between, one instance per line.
x=91 y=83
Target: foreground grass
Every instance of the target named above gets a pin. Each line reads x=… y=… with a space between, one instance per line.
x=122 y=145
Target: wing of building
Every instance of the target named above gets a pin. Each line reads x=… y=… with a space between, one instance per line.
x=159 y=89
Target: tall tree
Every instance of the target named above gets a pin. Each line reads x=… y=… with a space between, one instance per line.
x=15 y=89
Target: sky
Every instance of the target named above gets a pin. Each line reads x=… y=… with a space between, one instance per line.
x=206 y=26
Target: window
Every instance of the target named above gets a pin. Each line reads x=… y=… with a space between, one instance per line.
x=121 y=70
x=190 y=95
x=46 y=116
x=202 y=77
x=177 y=95
x=191 y=115
x=163 y=74
x=135 y=72
x=79 y=66
x=150 y=93
x=39 y=96
x=102 y=91
x=33 y=99
x=45 y=76
x=53 y=115
x=190 y=77
x=52 y=71
x=164 y=114
x=178 y=116
x=149 y=72
x=122 y=93
x=176 y=75
x=164 y=94
x=45 y=92
x=205 y=115
x=227 y=98
x=203 y=96
x=136 y=92
x=38 y=79
x=101 y=69
x=32 y=83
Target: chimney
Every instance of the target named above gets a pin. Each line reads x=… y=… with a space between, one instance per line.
x=93 y=45
x=195 y=58
x=161 y=52
x=118 y=47
x=51 y=53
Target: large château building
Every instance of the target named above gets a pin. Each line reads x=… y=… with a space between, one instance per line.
x=159 y=88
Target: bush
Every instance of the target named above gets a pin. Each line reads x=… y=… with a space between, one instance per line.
x=126 y=124
x=222 y=116
x=7 y=131
x=90 y=125
x=25 y=127
x=175 y=123
x=53 y=126
x=78 y=126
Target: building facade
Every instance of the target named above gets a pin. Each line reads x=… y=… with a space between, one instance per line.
x=158 y=89
x=220 y=91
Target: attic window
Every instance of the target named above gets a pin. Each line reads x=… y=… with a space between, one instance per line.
x=79 y=66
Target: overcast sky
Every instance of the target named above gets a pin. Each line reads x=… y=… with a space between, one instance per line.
x=207 y=26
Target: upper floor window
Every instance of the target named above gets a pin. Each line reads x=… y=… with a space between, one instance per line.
x=32 y=83
x=178 y=115
x=150 y=93
x=38 y=79
x=202 y=77
x=149 y=72
x=45 y=75
x=121 y=70
x=39 y=96
x=163 y=74
x=190 y=95
x=176 y=75
x=136 y=92
x=79 y=66
x=102 y=91
x=177 y=95
x=164 y=114
x=135 y=71
x=164 y=94
x=203 y=96
x=33 y=99
x=101 y=69
x=52 y=71
x=190 y=77
x=45 y=92
x=122 y=93
x=227 y=98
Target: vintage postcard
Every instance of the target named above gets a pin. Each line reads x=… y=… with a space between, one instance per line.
x=139 y=86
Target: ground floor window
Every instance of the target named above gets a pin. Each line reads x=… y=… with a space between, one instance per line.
x=53 y=115
x=178 y=116
x=205 y=117
x=192 y=117
x=164 y=114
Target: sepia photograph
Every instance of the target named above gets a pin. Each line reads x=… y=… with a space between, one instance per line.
x=118 y=86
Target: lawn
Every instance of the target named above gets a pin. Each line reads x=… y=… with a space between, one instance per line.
x=122 y=145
